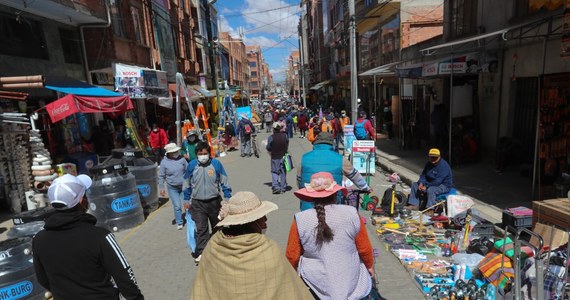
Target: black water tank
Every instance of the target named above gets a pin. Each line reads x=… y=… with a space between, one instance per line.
x=113 y=197
x=145 y=172
x=17 y=276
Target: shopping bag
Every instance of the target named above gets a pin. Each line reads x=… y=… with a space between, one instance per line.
x=288 y=162
x=497 y=268
x=190 y=232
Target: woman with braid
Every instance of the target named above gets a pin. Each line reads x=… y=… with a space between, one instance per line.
x=328 y=244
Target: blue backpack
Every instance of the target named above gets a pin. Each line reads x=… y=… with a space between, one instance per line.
x=359 y=130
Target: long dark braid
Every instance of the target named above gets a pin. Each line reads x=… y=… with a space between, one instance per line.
x=323 y=232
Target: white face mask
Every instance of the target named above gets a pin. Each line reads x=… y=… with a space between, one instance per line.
x=203 y=158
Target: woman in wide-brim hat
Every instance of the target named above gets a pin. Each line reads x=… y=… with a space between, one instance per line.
x=240 y=262
x=171 y=178
x=328 y=244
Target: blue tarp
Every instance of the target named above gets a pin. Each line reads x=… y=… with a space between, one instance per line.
x=75 y=87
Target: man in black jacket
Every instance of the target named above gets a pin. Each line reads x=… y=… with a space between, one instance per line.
x=73 y=259
x=277 y=145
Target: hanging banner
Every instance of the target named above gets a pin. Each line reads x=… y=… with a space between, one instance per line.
x=165 y=42
x=140 y=83
x=565 y=46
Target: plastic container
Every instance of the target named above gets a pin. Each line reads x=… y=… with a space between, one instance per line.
x=145 y=172
x=17 y=276
x=26 y=229
x=114 y=198
x=484 y=230
x=516 y=221
x=38 y=214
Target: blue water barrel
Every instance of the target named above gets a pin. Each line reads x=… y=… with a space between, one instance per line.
x=17 y=276
x=114 y=198
x=145 y=172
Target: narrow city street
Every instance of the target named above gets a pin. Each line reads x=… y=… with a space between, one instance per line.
x=165 y=269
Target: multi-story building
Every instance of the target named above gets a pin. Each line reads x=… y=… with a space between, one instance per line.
x=293 y=75
x=255 y=60
x=236 y=58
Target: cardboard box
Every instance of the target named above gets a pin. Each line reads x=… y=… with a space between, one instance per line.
x=552 y=211
x=551 y=236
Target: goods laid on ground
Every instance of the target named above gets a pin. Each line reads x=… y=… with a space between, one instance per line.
x=466 y=257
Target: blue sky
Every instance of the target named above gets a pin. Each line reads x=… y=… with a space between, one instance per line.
x=271 y=24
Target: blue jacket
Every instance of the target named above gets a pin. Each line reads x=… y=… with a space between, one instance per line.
x=436 y=175
x=322 y=159
x=206 y=180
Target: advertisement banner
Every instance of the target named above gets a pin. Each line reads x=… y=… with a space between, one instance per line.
x=243 y=110
x=348 y=138
x=165 y=42
x=140 y=83
x=363 y=156
x=458 y=68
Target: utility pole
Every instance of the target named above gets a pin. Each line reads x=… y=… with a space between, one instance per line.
x=353 y=67
x=302 y=70
x=211 y=42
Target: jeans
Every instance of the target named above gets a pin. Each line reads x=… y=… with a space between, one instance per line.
x=431 y=193
x=245 y=146
x=204 y=211
x=176 y=196
x=278 y=175
x=336 y=141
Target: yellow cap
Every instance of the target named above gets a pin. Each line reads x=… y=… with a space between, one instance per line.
x=434 y=152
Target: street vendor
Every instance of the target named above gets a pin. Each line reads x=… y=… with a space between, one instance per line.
x=436 y=179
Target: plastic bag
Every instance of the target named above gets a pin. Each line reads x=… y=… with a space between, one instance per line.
x=470 y=260
x=190 y=232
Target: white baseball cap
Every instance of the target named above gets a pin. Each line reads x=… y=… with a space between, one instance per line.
x=68 y=190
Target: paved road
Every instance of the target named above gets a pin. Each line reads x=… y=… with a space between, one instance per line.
x=165 y=269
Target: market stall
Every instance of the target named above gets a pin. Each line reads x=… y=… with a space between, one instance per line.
x=456 y=254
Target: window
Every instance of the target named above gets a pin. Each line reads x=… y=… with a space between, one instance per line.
x=70 y=46
x=253 y=64
x=253 y=74
x=22 y=37
x=253 y=84
x=140 y=36
x=117 y=20
x=463 y=17
x=524 y=8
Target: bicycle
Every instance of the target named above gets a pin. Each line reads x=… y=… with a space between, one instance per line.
x=254 y=146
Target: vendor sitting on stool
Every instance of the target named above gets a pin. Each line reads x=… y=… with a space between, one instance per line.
x=435 y=180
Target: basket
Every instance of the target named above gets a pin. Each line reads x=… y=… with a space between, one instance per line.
x=484 y=230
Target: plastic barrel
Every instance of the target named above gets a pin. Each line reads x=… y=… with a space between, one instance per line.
x=114 y=198
x=17 y=276
x=33 y=215
x=145 y=172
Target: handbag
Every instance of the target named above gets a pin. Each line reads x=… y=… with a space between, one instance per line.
x=190 y=232
x=288 y=162
x=374 y=293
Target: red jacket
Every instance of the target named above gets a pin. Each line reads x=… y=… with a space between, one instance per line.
x=157 y=139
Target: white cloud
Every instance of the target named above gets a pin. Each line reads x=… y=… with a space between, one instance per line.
x=283 y=21
x=226 y=27
x=262 y=41
x=278 y=73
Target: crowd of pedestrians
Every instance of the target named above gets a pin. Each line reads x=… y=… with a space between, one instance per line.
x=328 y=254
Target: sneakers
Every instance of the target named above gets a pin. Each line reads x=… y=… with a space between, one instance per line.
x=179 y=226
x=275 y=191
x=242 y=155
x=197 y=259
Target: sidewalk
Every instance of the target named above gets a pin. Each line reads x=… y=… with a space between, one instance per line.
x=492 y=191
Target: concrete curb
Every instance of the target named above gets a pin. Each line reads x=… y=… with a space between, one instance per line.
x=383 y=160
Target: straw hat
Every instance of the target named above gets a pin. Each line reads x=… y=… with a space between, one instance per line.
x=170 y=148
x=244 y=207
x=322 y=185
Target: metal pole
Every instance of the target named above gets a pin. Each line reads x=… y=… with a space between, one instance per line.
x=536 y=159
x=299 y=78
x=303 y=72
x=178 y=121
x=375 y=110
x=353 y=66
x=450 y=108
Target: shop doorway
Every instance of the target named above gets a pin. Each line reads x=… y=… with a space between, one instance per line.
x=524 y=122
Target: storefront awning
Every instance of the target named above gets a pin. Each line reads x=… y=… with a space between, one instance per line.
x=75 y=87
x=320 y=85
x=384 y=70
x=203 y=91
x=192 y=93
x=72 y=104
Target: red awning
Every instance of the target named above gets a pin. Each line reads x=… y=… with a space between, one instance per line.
x=72 y=104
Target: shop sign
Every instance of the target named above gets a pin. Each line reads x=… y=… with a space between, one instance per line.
x=363 y=156
x=126 y=203
x=348 y=138
x=458 y=68
x=140 y=82
x=430 y=69
x=17 y=291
